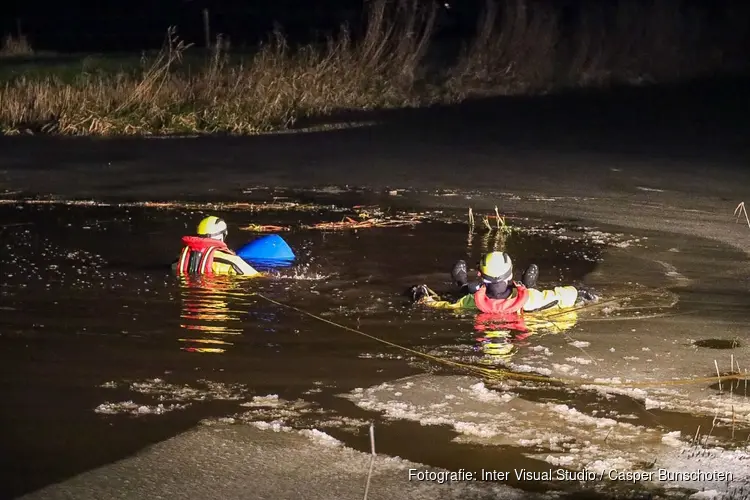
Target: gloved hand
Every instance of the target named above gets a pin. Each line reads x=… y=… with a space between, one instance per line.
x=459 y=273
x=418 y=292
x=530 y=276
x=587 y=295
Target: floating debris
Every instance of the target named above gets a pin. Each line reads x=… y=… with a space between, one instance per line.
x=349 y=223
x=259 y=228
x=178 y=205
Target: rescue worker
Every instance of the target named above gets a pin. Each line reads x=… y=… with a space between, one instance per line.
x=207 y=253
x=497 y=293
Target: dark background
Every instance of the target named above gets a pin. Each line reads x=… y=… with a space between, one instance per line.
x=109 y=25
x=140 y=24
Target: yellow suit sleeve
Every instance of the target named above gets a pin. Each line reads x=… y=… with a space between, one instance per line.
x=465 y=302
x=561 y=297
x=237 y=265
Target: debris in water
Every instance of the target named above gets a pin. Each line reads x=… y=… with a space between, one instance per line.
x=259 y=228
x=173 y=205
x=349 y=223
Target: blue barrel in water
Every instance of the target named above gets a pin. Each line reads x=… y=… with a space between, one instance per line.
x=267 y=251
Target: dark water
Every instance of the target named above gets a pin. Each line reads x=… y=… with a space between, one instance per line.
x=88 y=299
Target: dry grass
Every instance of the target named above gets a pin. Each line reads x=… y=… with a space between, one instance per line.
x=15 y=46
x=524 y=46
x=520 y=47
x=740 y=211
x=277 y=87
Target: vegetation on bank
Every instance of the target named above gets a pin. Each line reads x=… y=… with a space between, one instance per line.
x=520 y=47
x=15 y=46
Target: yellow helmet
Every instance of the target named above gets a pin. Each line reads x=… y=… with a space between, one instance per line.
x=496 y=266
x=212 y=227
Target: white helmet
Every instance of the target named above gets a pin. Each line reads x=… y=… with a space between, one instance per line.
x=212 y=227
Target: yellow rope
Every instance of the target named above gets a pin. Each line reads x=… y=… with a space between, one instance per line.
x=496 y=374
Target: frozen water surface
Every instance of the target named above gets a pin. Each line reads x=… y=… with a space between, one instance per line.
x=120 y=381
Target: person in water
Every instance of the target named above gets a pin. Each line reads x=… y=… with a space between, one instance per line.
x=497 y=293
x=207 y=252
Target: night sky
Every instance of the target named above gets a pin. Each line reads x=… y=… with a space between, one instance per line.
x=107 y=25
x=138 y=24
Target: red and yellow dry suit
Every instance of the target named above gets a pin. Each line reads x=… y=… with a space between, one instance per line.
x=521 y=299
x=209 y=256
x=524 y=312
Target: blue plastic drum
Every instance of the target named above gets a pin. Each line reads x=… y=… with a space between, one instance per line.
x=267 y=251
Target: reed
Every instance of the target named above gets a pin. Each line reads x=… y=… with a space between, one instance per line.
x=520 y=47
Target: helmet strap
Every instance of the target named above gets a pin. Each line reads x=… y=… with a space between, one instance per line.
x=502 y=279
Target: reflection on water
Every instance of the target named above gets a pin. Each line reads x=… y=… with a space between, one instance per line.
x=207 y=313
x=500 y=335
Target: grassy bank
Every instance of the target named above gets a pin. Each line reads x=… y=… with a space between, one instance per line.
x=520 y=47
